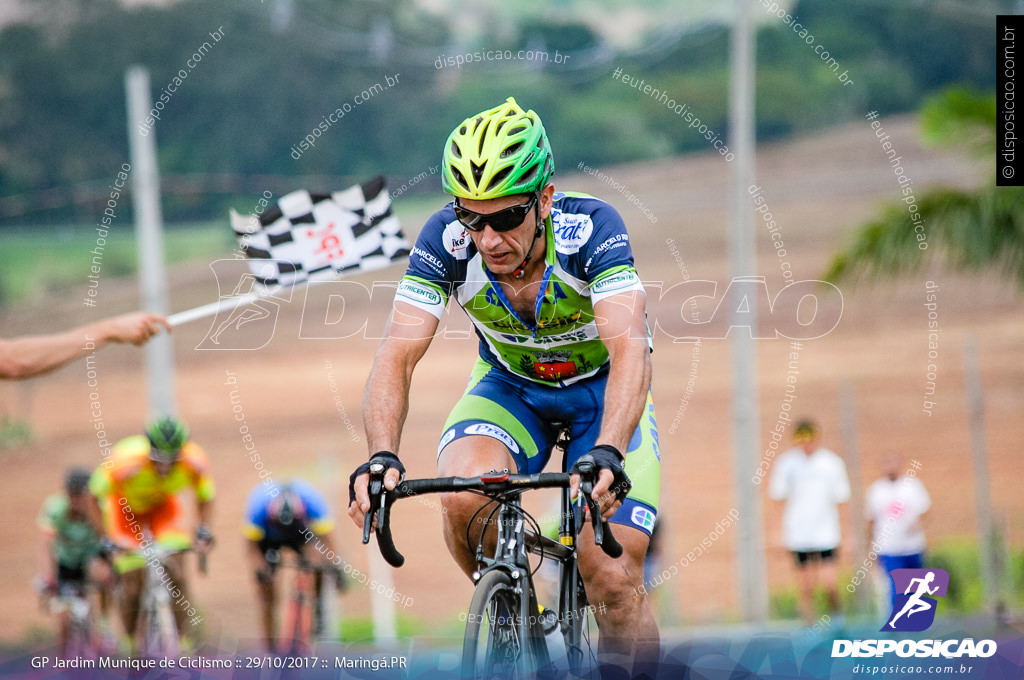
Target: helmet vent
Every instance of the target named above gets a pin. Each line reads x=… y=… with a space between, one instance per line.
x=512 y=150
x=477 y=170
x=482 y=137
x=517 y=129
x=500 y=176
x=455 y=150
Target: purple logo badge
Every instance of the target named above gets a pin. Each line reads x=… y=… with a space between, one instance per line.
x=915 y=607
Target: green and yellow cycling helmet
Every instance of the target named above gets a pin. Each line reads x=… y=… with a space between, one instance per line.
x=166 y=437
x=499 y=152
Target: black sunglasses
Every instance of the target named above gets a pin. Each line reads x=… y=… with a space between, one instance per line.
x=503 y=220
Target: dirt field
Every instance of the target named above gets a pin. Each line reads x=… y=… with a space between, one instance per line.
x=301 y=396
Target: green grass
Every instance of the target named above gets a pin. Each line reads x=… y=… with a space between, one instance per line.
x=359 y=629
x=958 y=556
x=14 y=432
x=49 y=260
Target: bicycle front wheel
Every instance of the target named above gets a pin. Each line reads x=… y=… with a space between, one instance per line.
x=496 y=645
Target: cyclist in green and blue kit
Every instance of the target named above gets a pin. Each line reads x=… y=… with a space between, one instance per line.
x=548 y=280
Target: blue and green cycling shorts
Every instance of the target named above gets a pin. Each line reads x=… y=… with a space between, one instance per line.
x=523 y=415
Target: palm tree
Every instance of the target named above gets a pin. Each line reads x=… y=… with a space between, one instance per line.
x=981 y=229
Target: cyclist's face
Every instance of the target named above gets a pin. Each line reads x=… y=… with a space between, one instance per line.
x=503 y=252
x=77 y=502
x=163 y=468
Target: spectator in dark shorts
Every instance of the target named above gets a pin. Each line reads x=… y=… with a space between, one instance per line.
x=812 y=481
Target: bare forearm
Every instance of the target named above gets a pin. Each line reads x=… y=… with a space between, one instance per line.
x=36 y=355
x=205 y=511
x=386 y=403
x=625 y=396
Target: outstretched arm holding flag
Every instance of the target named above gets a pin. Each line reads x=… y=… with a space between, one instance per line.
x=30 y=356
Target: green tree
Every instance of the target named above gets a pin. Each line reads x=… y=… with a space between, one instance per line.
x=973 y=230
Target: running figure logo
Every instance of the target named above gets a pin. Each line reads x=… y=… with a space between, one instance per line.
x=915 y=610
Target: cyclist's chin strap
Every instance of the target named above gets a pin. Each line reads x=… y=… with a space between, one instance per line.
x=520 y=271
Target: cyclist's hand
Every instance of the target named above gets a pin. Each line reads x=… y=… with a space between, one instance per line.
x=359 y=481
x=204 y=539
x=612 y=483
x=45 y=584
x=265 y=574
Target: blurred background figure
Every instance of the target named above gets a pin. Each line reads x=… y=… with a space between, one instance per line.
x=34 y=355
x=894 y=506
x=298 y=519
x=812 y=482
x=139 y=492
x=72 y=555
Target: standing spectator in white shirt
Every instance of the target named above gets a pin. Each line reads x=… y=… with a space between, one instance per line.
x=894 y=506
x=812 y=481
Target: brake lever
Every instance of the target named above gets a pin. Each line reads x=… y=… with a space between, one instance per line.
x=374 y=489
x=602 y=532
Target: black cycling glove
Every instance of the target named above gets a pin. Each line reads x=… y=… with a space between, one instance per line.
x=607 y=457
x=386 y=458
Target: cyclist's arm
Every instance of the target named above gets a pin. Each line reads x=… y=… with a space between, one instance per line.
x=257 y=560
x=95 y=515
x=621 y=323
x=205 y=511
x=47 y=562
x=386 y=400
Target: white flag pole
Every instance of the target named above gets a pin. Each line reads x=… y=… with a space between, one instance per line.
x=222 y=305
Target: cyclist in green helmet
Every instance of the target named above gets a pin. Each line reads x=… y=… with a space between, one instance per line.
x=548 y=280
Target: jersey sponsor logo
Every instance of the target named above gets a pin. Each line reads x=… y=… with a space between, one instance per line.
x=428 y=259
x=456 y=240
x=571 y=231
x=418 y=293
x=554 y=365
x=575 y=336
x=621 y=281
x=642 y=517
x=494 y=432
x=445 y=440
x=616 y=241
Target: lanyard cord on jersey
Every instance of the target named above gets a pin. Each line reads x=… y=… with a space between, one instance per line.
x=508 y=305
x=520 y=271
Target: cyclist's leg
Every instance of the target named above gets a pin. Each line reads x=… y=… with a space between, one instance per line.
x=170 y=532
x=129 y=564
x=621 y=607
x=490 y=428
x=266 y=592
x=468 y=457
x=73 y=577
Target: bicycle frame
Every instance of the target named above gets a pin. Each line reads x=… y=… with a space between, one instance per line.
x=156 y=613
x=78 y=636
x=295 y=635
x=513 y=542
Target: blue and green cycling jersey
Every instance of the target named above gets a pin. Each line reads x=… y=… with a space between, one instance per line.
x=588 y=259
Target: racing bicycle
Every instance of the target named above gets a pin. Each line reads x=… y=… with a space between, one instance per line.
x=506 y=631
x=300 y=620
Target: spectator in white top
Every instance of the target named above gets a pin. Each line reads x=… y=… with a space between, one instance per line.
x=812 y=481
x=894 y=506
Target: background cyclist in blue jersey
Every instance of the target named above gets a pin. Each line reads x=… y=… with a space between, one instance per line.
x=548 y=281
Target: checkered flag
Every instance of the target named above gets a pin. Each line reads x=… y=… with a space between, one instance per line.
x=313 y=236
